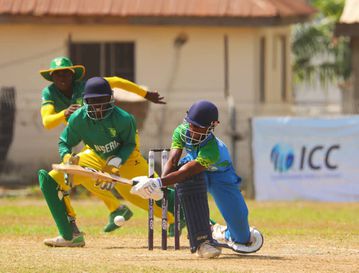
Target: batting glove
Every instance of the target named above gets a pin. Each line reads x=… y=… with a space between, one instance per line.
x=147 y=188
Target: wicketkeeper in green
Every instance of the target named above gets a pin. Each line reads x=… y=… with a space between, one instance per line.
x=53 y=185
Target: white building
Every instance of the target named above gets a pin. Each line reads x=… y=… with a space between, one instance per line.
x=185 y=49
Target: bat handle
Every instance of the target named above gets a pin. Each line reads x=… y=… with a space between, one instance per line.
x=135 y=182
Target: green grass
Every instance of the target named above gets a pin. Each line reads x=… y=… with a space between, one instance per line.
x=19 y=216
x=288 y=218
x=293 y=231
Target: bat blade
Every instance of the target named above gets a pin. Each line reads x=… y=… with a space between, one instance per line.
x=89 y=172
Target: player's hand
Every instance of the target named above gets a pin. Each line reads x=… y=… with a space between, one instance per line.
x=147 y=188
x=113 y=165
x=66 y=158
x=105 y=185
x=71 y=159
x=111 y=170
x=155 y=97
x=72 y=108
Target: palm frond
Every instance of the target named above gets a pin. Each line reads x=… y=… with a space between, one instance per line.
x=317 y=56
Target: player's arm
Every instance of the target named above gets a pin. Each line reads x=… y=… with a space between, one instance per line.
x=151 y=187
x=127 y=136
x=176 y=151
x=207 y=156
x=172 y=162
x=189 y=169
x=51 y=119
x=117 y=82
x=69 y=138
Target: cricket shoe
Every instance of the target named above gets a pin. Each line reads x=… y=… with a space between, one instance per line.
x=77 y=241
x=208 y=250
x=254 y=244
x=117 y=218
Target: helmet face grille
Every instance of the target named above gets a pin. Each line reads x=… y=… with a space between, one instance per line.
x=98 y=111
x=191 y=137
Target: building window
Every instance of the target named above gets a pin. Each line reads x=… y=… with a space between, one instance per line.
x=283 y=50
x=105 y=59
x=262 y=69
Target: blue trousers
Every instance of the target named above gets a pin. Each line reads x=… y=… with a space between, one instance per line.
x=224 y=187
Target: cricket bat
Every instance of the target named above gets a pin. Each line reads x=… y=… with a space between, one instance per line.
x=89 y=172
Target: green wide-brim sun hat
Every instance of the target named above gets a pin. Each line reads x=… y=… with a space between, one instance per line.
x=63 y=63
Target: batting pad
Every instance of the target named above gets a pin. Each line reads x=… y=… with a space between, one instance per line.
x=171 y=203
x=56 y=205
x=193 y=196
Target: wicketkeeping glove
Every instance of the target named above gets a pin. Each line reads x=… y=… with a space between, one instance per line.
x=70 y=159
x=113 y=165
x=66 y=158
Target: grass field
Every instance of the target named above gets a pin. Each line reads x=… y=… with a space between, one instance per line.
x=299 y=237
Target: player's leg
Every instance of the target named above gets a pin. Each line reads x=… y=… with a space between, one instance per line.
x=230 y=202
x=193 y=196
x=88 y=158
x=55 y=201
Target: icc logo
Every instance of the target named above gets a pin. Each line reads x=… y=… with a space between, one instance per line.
x=282 y=157
x=313 y=158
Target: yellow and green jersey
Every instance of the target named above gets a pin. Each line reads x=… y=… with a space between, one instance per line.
x=52 y=95
x=112 y=136
x=54 y=103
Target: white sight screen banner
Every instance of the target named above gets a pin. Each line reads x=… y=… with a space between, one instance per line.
x=306 y=158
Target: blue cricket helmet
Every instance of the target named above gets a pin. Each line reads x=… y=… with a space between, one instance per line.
x=97 y=87
x=102 y=103
x=203 y=113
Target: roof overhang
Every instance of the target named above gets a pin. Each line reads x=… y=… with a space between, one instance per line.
x=342 y=29
x=349 y=20
x=156 y=20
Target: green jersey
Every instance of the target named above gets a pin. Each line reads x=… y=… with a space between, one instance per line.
x=52 y=95
x=112 y=136
x=206 y=153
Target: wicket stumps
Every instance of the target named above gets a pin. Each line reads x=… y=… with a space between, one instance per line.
x=164 y=205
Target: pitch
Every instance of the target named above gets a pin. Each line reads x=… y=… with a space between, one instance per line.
x=299 y=237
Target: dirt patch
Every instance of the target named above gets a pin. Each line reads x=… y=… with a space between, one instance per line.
x=125 y=254
x=298 y=237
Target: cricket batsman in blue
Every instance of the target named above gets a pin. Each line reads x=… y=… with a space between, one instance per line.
x=207 y=166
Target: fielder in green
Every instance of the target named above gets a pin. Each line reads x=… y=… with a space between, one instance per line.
x=109 y=135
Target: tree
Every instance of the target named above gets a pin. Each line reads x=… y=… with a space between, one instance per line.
x=317 y=53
